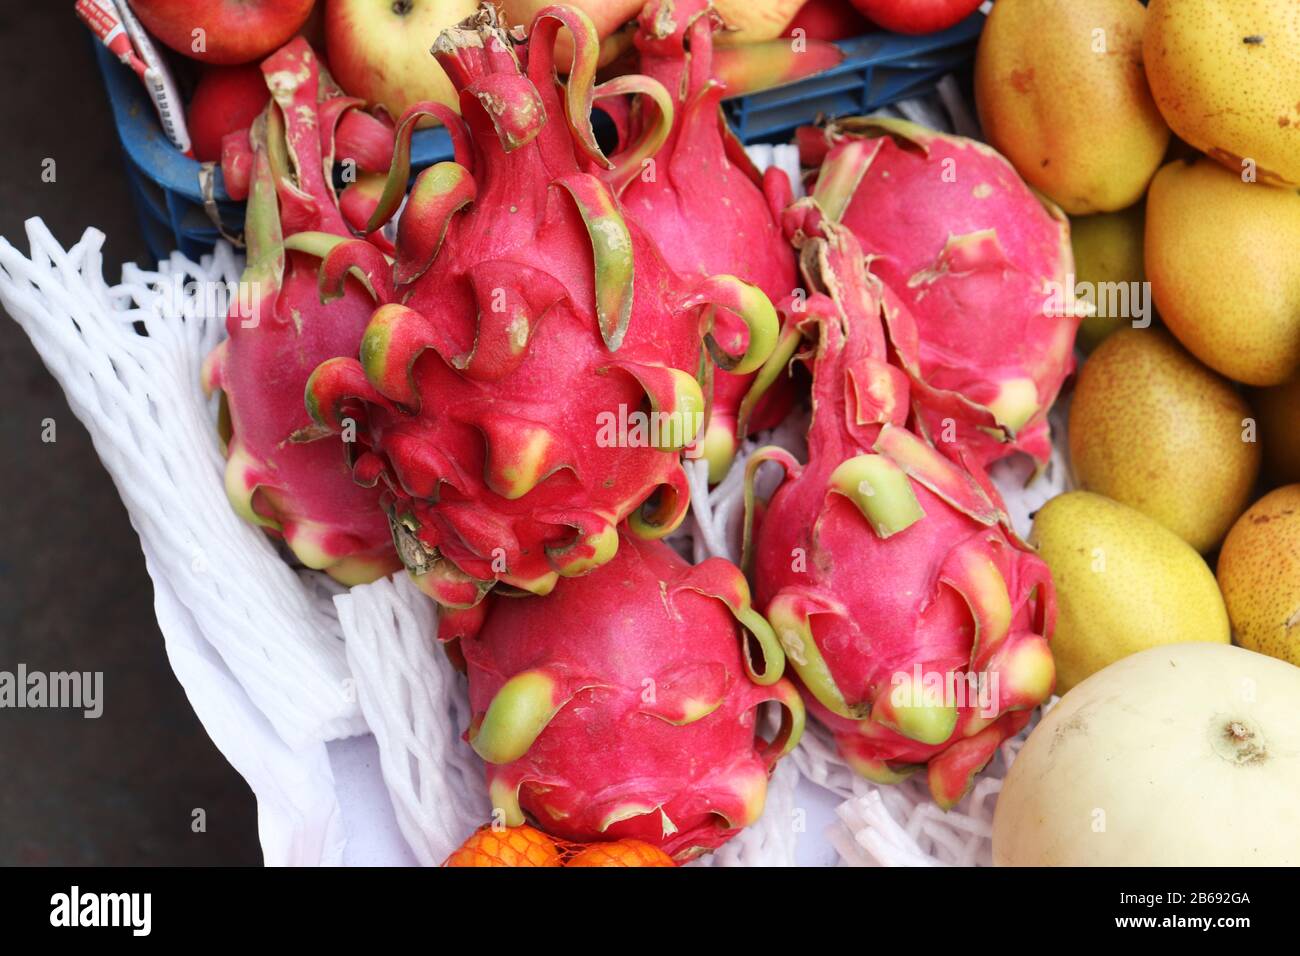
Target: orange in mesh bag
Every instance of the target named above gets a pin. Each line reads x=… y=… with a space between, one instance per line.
x=528 y=846
x=620 y=853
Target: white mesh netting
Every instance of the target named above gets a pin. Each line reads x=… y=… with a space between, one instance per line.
x=416 y=706
x=138 y=394
x=278 y=661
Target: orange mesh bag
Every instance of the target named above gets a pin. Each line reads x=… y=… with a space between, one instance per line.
x=528 y=846
x=510 y=846
x=620 y=853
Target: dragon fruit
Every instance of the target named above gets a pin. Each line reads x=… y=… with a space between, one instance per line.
x=701 y=199
x=529 y=378
x=624 y=705
x=983 y=264
x=916 y=621
x=279 y=332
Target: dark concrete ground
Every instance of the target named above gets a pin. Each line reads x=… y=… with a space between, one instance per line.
x=74 y=594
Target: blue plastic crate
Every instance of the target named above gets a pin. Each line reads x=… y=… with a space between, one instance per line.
x=878 y=69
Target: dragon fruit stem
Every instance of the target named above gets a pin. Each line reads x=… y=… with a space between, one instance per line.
x=792 y=468
x=594 y=545
x=611 y=244
x=631 y=160
x=722 y=580
x=362 y=261
x=330 y=278
x=748 y=302
x=439 y=193
x=263 y=237
x=790 y=613
x=840 y=175
x=664 y=511
x=904 y=708
x=793 y=719
x=399 y=171
x=579 y=90
x=519 y=712
x=777 y=364
x=881 y=490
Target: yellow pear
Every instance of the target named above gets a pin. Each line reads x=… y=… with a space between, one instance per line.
x=1061 y=93
x=1277 y=410
x=1124 y=583
x=1108 y=255
x=1226 y=76
x=1154 y=429
x=1224 y=272
x=1259 y=572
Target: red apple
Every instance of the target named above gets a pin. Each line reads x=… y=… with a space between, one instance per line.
x=379 y=50
x=916 y=16
x=227 y=98
x=313 y=31
x=233 y=31
x=828 y=20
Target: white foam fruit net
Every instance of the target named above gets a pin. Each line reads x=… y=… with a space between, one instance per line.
x=277 y=661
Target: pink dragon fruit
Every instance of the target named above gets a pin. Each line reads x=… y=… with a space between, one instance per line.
x=984 y=265
x=530 y=376
x=280 y=332
x=701 y=199
x=624 y=705
x=915 y=619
